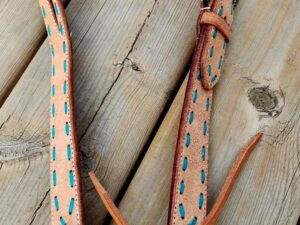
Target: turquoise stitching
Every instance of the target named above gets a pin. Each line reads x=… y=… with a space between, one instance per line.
x=64 y=47
x=224 y=44
x=54 y=178
x=181 y=211
x=232 y=9
x=211 y=52
x=71 y=206
x=66 y=108
x=188 y=140
x=209 y=70
x=221 y=10
x=185 y=164
x=71 y=178
x=52 y=50
x=53 y=132
x=62 y=221
x=193 y=221
x=53 y=70
x=49 y=30
x=56 y=9
x=43 y=11
x=181 y=188
x=207 y=104
x=204 y=128
x=53 y=90
x=56 y=204
x=199 y=75
x=201 y=200
x=191 y=118
x=215 y=32
x=202 y=176
x=214 y=78
x=65 y=66
x=203 y=151
x=65 y=87
x=53 y=154
x=220 y=62
x=53 y=110
x=67 y=128
x=195 y=96
x=69 y=152
x=61 y=29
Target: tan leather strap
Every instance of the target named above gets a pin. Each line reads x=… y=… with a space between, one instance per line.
x=66 y=203
x=212 y=18
x=107 y=201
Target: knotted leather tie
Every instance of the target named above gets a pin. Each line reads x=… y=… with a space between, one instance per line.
x=188 y=200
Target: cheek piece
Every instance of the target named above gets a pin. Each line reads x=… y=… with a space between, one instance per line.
x=188 y=197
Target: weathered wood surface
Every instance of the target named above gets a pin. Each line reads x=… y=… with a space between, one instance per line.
x=129 y=56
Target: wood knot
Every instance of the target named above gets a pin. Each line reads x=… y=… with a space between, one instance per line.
x=266 y=101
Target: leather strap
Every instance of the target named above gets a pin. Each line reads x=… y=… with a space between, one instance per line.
x=66 y=203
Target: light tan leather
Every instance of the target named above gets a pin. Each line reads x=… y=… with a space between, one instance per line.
x=211 y=18
x=66 y=203
x=107 y=201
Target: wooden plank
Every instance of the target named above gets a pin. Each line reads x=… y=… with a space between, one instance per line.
x=128 y=59
x=258 y=91
x=21 y=34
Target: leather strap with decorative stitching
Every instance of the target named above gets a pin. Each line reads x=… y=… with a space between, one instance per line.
x=188 y=200
x=66 y=203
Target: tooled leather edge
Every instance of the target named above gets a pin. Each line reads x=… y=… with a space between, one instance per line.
x=200 y=30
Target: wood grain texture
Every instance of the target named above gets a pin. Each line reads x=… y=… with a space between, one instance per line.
x=21 y=34
x=258 y=91
x=128 y=58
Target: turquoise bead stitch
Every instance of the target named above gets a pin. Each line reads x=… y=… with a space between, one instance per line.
x=203 y=151
x=56 y=204
x=215 y=32
x=71 y=178
x=181 y=188
x=69 y=152
x=53 y=132
x=191 y=118
x=43 y=11
x=62 y=221
x=211 y=52
x=204 y=128
x=224 y=45
x=67 y=128
x=53 y=70
x=195 y=96
x=71 y=206
x=213 y=79
x=66 y=108
x=221 y=10
x=202 y=176
x=56 y=9
x=61 y=29
x=54 y=178
x=65 y=66
x=53 y=110
x=53 y=153
x=64 y=47
x=220 y=62
x=209 y=70
x=53 y=90
x=65 y=87
x=185 y=164
x=49 y=30
x=193 y=221
x=201 y=200
x=207 y=104
x=181 y=211
x=188 y=140
x=52 y=50
x=199 y=75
